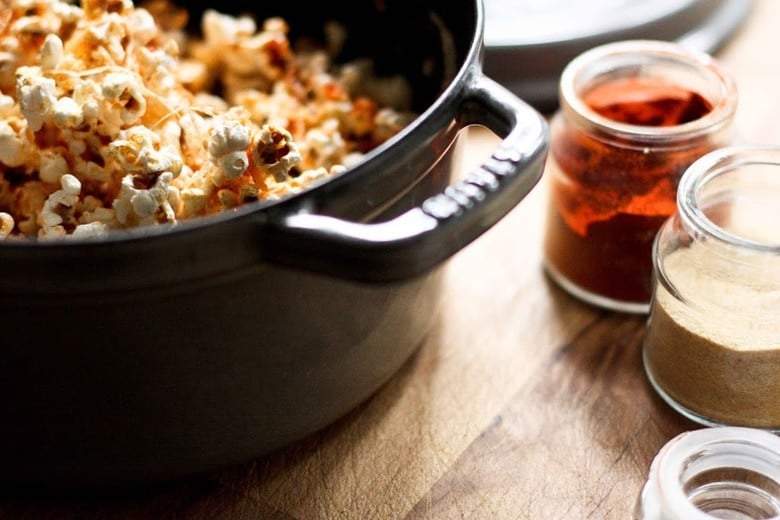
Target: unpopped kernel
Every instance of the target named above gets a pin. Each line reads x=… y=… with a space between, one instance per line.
x=112 y=116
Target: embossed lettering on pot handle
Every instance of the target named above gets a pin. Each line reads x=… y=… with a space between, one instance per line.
x=420 y=239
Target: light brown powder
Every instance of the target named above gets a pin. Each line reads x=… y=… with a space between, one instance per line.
x=719 y=355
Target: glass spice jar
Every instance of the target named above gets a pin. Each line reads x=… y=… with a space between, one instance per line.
x=724 y=472
x=712 y=343
x=633 y=116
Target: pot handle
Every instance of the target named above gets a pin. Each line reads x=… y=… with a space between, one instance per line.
x=423 y=237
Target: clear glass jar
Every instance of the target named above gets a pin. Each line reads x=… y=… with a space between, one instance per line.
x=712 y=344
x=725 y=472
x=633 y=116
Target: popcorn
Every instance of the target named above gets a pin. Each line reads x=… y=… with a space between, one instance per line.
x=191 y=201
x=52 y=167
x=6 y=224
x=122 y=90
x=141 y=26
x=12 y=146
x=36 y=96
x=325 y=142
x=58 y=208
x=86 y=94
x=230 y=137
x=137 y=152
x=274 y=150
x=93 y=229
x=234 y=163
x=107 y=121
x=51 y=52
x=136 y=206
x=67 y=113
x=7 y=106
x=227 y=145
x=220 y=29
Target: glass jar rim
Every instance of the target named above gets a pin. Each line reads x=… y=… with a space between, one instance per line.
x=700 y=447
x=709 y=167
x=637 y=52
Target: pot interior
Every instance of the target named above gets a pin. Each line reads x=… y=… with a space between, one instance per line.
x=401 y=36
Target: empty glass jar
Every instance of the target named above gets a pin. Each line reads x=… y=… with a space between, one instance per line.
x=724 y=472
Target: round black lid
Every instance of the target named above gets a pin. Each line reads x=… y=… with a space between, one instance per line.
x=529 y=42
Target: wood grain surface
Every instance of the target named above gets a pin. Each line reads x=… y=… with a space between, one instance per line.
x=523 y=402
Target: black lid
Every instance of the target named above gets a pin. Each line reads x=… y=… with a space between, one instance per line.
x=529 y=42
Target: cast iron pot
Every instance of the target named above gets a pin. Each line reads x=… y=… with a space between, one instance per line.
x=167 y=352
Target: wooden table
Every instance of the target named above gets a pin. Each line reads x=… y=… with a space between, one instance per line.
x=523 y=403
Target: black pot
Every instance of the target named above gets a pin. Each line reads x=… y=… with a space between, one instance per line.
x=166 y=352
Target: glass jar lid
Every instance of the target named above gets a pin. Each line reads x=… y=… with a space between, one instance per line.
x=720 y=472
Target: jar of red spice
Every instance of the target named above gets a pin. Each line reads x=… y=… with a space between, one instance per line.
x=633 y=116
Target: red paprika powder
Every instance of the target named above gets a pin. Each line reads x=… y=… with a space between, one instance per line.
x=633 y=116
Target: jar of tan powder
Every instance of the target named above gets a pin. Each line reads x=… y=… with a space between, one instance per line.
x=712 y=346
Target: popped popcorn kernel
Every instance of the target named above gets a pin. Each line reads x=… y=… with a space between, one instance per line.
x=274 y=152
x=234 y=164
x=51 y=52
x=138 y=152
x=58 y=208
x=36 y=96
x=6 y=224
x=12 y=146
x=108 y=120
x=123 y=92
x=138 y=206
x=92 y=229
x=70 y=185
x=230 y=137
x=67 y=113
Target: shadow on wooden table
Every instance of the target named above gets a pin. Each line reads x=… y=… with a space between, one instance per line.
x=576 y=440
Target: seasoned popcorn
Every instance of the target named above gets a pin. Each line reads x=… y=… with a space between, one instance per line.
x=108 y=119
